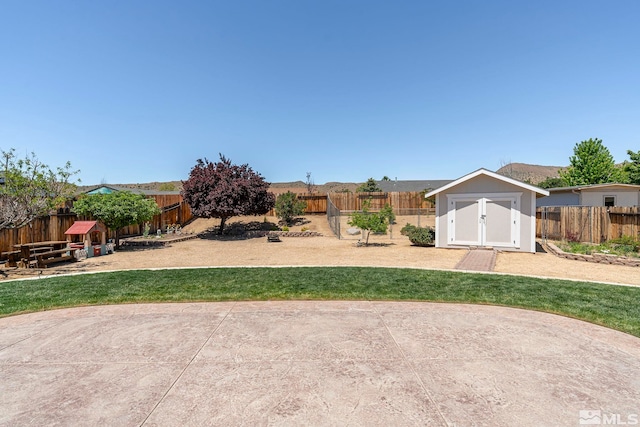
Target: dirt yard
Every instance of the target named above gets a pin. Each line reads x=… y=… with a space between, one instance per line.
x=392 y=250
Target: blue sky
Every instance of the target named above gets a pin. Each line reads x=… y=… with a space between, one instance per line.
x=137 y=91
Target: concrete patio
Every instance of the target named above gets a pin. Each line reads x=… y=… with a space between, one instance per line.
x=312 y=363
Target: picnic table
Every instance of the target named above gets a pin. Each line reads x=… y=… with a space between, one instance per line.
x=41 y=254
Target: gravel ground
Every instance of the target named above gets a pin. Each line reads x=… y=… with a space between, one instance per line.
x=325 y=251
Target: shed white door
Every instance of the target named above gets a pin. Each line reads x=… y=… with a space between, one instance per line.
x=489 y=220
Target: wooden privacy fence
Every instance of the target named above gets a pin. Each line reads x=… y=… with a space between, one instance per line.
x=316 y=203
x=399 y=201
x=592 y=224
x=178 y=213
x=52 y=227
x=43 y=229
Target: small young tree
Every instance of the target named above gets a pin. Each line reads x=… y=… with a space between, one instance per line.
x=224 y=190
x=368 y=222
x=117 y=210
x=311 y=187
x=371 y=186
x=29 y=188
x=288 y=207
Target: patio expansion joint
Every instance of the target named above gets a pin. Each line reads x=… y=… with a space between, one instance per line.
x=40 y=332
x=188 y=364
x=406 y=360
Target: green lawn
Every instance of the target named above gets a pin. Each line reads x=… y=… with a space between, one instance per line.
x=617 y=307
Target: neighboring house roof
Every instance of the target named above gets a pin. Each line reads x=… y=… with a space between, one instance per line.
x=539 y=191
x=85 y=227
x=411 y=185
x=595 y=187
x=108 y=189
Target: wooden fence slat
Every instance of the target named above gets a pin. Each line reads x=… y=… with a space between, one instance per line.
x=593 y=224
x=52 y=227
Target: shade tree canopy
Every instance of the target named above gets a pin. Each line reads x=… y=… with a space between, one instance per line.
x=29 y=188
x=591 y=163
x=224 y=190
x=117 y=210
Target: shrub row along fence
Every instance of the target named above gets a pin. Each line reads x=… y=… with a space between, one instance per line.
x=589 y=224
x=52 y=227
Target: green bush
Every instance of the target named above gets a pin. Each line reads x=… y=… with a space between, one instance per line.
x=288 y=207
x=419 y=236
x=407 y=229
x=626 y=244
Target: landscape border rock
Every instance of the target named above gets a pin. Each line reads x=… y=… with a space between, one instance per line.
x=596 y=258
x=152 y=241
x=296 y=233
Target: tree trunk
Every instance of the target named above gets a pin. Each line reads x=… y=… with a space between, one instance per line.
x=222 y=222
x=117 y=238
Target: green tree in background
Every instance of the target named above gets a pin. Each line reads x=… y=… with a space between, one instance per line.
x=552 y=182
x=117 y=210
x=167 y=186
x=371 y=186
x=288 y=206
x=632 y=168
x=592 y=163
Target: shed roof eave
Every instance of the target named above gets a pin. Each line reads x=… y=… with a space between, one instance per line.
x=539 y=191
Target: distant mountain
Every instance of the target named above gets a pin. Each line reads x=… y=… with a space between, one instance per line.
x=530 y=173
x=520 y=171
x=276 y=187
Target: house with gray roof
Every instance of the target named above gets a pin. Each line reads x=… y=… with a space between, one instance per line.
x=593 y=195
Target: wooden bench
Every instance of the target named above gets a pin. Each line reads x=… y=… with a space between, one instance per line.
x=39 y=254
x=11 y=258
x=50 y=257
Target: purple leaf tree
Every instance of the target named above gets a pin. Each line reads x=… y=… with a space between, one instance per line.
x=224 y=190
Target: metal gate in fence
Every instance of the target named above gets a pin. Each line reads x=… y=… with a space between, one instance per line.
x=333 y=216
